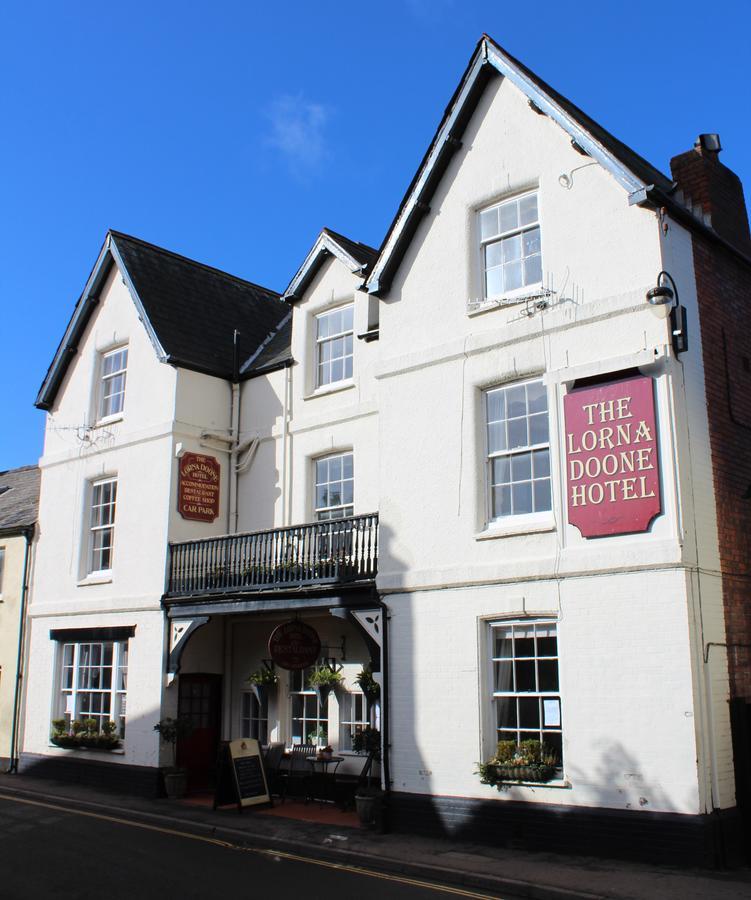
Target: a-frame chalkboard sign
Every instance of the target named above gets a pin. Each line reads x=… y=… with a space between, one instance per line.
x=240 y=776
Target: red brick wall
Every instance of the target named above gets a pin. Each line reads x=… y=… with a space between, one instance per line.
x=724 y=292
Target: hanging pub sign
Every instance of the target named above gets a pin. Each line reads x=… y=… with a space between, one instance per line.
x=294 y=645
x=612 y=467
x=198 y=487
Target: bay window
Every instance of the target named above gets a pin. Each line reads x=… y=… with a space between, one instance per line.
x=93 y=682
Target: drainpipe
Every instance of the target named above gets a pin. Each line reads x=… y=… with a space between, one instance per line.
x=234 y=426
x=28 y=534
x=385 y=717
x=285 y=412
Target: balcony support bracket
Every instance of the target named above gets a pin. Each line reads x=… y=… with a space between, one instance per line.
x=180 y=631
x=370 y=624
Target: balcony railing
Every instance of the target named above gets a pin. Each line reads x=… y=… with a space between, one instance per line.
x=340 y=550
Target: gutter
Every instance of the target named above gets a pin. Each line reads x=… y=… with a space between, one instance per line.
x=28 y=534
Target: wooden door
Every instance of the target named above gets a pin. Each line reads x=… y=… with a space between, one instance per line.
x=200 y=701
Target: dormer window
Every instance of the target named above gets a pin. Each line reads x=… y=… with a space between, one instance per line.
x=334 y=346
x=510 y=246
x=112 y=388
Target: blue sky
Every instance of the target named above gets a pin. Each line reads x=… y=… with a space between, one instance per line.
x=232 y=132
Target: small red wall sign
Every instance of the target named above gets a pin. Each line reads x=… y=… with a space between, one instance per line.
x=612 y=465
x=294 y=645
x=198 y=487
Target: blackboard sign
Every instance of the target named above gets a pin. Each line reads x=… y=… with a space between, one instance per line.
x=241 y=778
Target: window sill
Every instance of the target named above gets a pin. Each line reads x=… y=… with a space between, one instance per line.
x=118 y=751
x=509 y=527
x=557 y=784
x=108 y=420
x=95 y=578
x=331 y=389
x=529 y=292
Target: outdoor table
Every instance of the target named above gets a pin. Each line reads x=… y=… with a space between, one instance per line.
x=323 y=773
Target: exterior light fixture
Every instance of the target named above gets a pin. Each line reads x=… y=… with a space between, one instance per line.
x=663 y=294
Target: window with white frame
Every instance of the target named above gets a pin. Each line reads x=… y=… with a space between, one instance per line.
x=310 y=718
x=518 y=449
x=112 y=387
x=353 y=717
x=335 y=487
x=510 y=246
x=254 y=717
x=93 y=683
x=102 y=524
x=525 y=683
x=334 y=345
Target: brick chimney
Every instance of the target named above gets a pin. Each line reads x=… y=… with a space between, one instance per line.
x=707 y=183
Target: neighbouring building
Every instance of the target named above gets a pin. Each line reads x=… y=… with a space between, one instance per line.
x=502 y=461
x=19 y=496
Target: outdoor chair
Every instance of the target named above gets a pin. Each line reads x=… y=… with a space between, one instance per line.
x=347 y=785
x=294 y=777
x=272 y=761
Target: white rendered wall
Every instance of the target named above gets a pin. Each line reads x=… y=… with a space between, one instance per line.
x=10 y=615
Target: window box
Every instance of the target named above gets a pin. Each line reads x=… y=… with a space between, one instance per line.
x=499 y=774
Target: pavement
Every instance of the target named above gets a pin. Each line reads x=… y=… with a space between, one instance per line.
x=497 y=871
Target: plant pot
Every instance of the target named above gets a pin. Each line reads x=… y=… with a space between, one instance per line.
x=531 y=773
x=323 y=691
x=369 y=806
x=261 y=691
x=175 y=783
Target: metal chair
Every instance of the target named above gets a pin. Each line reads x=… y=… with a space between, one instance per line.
x=296 y=770
x=272 y=761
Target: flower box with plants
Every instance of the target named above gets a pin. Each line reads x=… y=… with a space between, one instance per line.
x=528 y=761
x=85 y=735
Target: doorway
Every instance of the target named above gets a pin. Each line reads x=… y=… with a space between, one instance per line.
x=199 y=702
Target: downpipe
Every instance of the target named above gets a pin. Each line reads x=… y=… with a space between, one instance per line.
x=13 y=755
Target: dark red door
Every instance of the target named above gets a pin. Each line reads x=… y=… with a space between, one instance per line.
x=199 y=701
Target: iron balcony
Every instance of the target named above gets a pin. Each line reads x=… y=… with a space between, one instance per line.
x=339 y=551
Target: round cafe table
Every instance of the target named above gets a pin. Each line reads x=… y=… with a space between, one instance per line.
x=323 y=776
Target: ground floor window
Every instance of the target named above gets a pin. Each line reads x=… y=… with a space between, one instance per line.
x=94 y=682
x=254 y=719
x=525 y=683
x=310 y=717
x=353 y=717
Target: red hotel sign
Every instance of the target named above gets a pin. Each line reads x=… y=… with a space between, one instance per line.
x=198 y=487
x=612 y=467
x=294 y=645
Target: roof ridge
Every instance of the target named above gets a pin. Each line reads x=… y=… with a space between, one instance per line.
x=338 y=234
x=25 y=468
x=193 y=262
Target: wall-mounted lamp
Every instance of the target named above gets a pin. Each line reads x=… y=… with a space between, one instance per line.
x=566 y=180
x=661 y=295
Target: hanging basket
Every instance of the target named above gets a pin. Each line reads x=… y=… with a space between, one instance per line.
x=261 y=691
x=322 y=692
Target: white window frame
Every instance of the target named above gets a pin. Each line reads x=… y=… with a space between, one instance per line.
x=106 y=410
x=352 y=703
x=254 y=717
x=327 y=511
x=2 y=570
x=77 y=673
x=536 y=450
x=309 y=723
x=517 y=732
x=94 y=530
x=343 y=339
x=502 y=235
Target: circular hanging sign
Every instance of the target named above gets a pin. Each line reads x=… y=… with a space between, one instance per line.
x=294 y=645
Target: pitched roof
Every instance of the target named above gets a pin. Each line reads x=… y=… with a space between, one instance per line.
x=275 y=354
x=356 y=256
x=19 y=498
x=190 y=310
x=488 y=61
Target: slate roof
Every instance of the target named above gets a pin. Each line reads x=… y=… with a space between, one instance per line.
x=274 y=355
x=190 y=310
x=194 y=309
x=19 y=498
x=364 y=254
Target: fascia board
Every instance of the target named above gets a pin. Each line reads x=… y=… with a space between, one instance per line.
x=158 y=349
x=487 y=54
x=324 y=243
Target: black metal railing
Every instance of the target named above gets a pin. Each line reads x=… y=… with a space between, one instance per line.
x=340 y=550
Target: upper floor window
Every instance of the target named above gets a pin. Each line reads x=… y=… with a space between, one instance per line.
x=114 y=366
x=518 y=447
x=510 y=246
x=2 y=568
x=334 y=345
x=335 y=487
x=102 y=527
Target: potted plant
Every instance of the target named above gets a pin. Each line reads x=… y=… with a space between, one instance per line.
x=261 y=680
x=323 y=679
x=325 y=752
x=175 y=777
x=84 y=735
x=369 y=686
x=318 y=737
x=512 y=763
x=369 y=797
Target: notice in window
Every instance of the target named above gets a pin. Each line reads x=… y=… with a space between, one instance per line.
x=612 y=463
x=551 y=713
x=198 y=487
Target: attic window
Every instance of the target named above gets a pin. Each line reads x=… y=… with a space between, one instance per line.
x=510 y=246
x=114 y=366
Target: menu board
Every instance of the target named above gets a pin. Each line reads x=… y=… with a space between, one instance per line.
x=241 y=777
